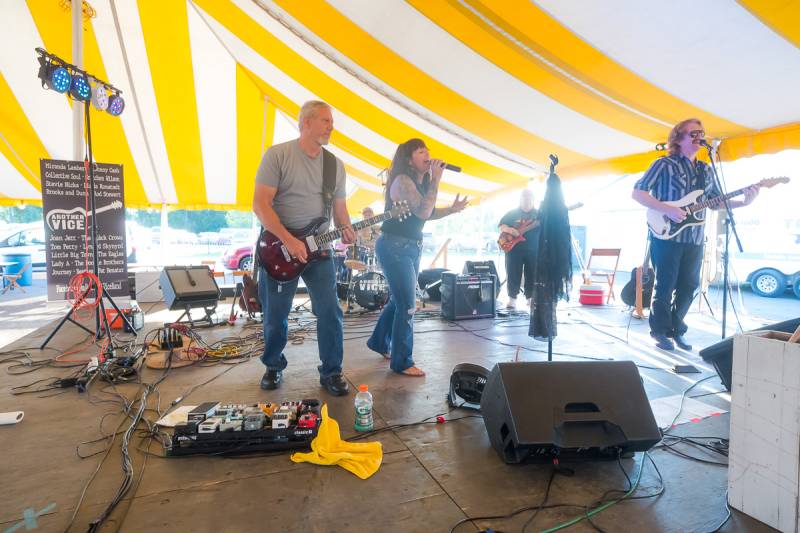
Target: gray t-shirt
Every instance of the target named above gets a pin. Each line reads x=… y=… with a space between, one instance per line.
x=299 y=181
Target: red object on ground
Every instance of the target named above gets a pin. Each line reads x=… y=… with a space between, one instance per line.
x=308 y=420
x=114 y=318
x=593 y=294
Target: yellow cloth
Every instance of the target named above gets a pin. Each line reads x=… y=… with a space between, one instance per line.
x=361 y=458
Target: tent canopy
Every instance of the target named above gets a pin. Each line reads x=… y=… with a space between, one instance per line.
x=493 y=87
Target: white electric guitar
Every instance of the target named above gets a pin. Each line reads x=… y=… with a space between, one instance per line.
x=664 y=228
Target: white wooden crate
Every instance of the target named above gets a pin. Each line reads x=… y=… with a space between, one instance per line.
x=763 y=478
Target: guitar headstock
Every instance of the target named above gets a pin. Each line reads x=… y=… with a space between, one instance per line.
x=771 y=182
x=400 y=210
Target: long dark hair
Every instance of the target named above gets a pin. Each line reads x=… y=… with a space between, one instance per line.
x=401 y=165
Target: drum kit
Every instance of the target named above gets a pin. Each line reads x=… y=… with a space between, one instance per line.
x=359 y=280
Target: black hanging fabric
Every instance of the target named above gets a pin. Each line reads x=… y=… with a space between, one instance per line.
x=554 y=260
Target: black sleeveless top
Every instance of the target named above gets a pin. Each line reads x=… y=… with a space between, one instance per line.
x=411 y=227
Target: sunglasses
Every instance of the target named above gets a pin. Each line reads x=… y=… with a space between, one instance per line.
x=696 y=134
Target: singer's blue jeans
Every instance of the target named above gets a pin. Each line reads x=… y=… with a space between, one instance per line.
x=394 y=332
x=276 y=302
x=677 y=266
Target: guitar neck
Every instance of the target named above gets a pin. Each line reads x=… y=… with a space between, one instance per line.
x=714 y=202
x=333 y=235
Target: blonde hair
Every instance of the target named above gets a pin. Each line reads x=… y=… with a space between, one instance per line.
x=677 y=133
x=309 y=110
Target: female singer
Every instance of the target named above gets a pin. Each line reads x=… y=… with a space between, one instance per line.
x=413 y=177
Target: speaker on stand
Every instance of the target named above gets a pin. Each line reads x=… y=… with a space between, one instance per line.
x=190 y=287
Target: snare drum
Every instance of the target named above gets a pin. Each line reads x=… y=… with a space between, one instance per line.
x=356 y=257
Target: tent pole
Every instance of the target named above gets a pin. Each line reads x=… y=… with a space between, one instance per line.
x=164 y=226
x=77 y=60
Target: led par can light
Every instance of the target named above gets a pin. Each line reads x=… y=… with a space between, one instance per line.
x=115 y=105
x=58 y=79
x=100 y=97
x=80 y=89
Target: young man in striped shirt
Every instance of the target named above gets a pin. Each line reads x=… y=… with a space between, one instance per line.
x=677 y=261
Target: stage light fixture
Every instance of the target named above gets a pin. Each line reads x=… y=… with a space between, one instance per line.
x=80 y=89
x=115 y=105
x=100 y=97
x=60 y=80
x=54 y=76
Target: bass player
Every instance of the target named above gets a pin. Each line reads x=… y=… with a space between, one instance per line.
x=521 y=259
x=677 y=261
x=290 y=192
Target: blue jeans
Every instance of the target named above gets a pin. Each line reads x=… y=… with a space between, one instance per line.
x=394 y=332
x=677 y=267
x=276 y=302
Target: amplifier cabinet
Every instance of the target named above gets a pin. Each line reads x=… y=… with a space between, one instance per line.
x=465 y=296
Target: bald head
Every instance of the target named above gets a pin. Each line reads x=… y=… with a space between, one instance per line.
x=526 y=200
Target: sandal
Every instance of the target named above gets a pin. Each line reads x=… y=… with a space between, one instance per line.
x=413 y=371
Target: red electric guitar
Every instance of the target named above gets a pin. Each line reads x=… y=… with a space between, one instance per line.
x=506 y=241
x=281 y=266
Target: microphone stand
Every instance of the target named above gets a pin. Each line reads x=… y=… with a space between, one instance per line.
x=730 y=224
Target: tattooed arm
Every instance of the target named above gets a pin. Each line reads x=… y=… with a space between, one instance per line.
x=458 y=205
x=404 y=189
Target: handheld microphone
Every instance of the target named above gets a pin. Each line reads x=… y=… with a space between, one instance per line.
x=703 y=142
x=454 y=168
x=661 y=147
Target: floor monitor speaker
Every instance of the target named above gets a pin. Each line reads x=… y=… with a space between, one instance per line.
x=572 y=410
x=721 y=354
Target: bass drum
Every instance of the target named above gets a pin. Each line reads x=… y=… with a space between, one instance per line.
x=371 y=290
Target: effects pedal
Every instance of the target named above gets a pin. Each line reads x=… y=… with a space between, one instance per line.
x=170 y=338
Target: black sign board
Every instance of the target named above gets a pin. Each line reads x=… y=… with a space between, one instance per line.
x=67 y=225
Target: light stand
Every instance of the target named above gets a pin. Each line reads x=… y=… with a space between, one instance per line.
x=730 y=225
x=102 y=326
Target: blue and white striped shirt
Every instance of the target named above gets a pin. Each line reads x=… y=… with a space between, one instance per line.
x=671 y=178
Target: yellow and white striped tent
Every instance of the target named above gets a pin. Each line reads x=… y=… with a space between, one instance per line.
x=492 y=85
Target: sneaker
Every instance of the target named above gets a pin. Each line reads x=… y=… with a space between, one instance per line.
x=681 y=342
x=272 y=379
x=335 y=384
x=512 y=303
x=663 y=342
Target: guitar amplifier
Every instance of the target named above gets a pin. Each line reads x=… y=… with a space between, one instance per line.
x=192 y=286
x=466 y=296
x=477 y=268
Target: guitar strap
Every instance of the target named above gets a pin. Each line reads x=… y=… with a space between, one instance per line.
x=328 y=181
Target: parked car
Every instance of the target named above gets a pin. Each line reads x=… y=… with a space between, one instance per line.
x=29 y=239
x=238 y=257
x=237 y=235
x=180 y=236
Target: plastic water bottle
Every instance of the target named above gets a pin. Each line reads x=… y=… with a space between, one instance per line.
x=363 y=409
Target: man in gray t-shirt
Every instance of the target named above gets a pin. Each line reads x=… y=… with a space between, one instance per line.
x=288 y=195
x=298 y=180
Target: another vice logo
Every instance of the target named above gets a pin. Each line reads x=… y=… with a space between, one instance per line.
x=372 y=285
x=75 y=218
